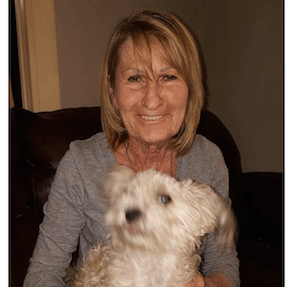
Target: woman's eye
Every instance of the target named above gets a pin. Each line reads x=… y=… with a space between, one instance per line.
x=134 y=79
x=169 y=78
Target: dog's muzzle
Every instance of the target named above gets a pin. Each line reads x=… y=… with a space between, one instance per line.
x=132 y=215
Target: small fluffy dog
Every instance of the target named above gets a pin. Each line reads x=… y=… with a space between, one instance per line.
x=156 y=224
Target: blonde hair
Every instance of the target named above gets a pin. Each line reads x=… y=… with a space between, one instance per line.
x=181 y=51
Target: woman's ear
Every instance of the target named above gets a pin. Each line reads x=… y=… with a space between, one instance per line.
x=113 y=98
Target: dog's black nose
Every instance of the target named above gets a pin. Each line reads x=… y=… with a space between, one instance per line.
x=132 y=215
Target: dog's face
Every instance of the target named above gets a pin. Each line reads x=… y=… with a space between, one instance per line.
x=150 y=209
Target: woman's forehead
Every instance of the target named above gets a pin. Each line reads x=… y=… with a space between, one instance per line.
x=141 y=54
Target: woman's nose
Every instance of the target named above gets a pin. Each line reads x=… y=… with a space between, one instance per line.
x=152 y=96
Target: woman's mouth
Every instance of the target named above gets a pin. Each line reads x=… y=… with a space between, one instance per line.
x=151 y=118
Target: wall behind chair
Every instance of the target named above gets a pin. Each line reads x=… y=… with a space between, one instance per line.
x=242 y=43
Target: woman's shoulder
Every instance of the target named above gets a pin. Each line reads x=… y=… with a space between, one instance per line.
x=203 y=146
x=95 y=143
x=204 y=156
x=90 y=157
x=205 y=164
x=93 y=149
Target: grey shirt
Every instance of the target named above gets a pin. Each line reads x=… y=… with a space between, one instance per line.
x=74 y=213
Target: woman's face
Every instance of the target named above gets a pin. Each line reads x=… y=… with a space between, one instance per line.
x=152 y=105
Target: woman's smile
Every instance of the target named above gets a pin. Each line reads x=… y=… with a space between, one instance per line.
x=151 y=118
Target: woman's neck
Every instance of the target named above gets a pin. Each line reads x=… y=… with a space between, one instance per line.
x=139 y=156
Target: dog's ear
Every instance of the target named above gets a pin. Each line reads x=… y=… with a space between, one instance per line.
x=115 y=182
x=215 y=213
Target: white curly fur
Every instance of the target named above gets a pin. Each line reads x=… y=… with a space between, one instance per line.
x=156 y=244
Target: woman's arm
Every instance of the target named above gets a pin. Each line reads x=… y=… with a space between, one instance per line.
x=60 y=229
x=219 y=267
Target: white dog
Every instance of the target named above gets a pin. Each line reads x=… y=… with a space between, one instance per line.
x=156 y=224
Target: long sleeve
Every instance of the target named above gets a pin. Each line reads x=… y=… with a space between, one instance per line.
x=60 y=229
x=220 y=261
x=74 y=212
x=216 y=260
x=205 y=164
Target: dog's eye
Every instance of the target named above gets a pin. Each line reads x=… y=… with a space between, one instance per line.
x=165 y=199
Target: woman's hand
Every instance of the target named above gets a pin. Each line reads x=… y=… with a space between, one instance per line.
x=197 y=281
x=214 y=280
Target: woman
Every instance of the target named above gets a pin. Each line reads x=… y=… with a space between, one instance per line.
x=151 y=97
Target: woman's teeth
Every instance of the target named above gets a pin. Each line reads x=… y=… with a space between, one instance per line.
x=151 y=117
